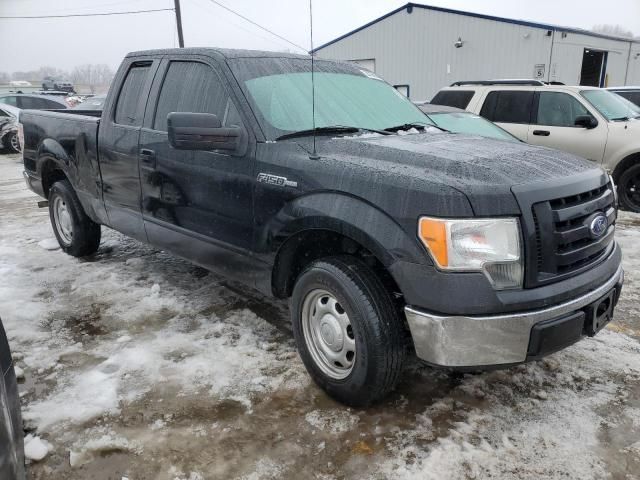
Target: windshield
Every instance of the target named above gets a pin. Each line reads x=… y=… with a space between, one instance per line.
x=279 y=89
x=463 y=122
x=610 y=105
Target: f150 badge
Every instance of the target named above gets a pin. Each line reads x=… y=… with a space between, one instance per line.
x=276 y=180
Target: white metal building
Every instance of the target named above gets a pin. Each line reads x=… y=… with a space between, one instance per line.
x=421 y=49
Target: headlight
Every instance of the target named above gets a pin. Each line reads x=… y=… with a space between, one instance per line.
x=491 y=246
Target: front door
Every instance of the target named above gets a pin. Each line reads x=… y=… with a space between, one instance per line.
x=118 y=148
x=195 y=203
x=554 y=126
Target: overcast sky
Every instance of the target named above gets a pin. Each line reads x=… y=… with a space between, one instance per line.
x=66 y=42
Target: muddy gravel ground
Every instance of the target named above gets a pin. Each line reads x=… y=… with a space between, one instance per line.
x=137 y=364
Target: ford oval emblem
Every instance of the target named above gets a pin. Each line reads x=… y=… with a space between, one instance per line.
x=598 y=226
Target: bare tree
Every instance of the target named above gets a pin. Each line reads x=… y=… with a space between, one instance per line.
x=48 y=71
x=613 y=30
x=92 y=75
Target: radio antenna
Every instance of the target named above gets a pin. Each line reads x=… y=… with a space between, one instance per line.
x=314 y=155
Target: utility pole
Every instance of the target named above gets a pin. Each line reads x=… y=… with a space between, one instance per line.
x=179 y=23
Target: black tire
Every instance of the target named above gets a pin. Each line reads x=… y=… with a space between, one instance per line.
x=629 y=188
x=12 y=143
x=380 y=345
x=85 y=233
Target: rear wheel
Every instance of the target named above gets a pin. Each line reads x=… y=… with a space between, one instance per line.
x=12 y=142
x=629 y=188
x=348 y=330
x=76 y=233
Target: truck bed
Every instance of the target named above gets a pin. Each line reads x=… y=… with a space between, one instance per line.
x=70 y=136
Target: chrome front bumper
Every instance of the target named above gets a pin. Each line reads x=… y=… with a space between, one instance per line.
x=467 y=341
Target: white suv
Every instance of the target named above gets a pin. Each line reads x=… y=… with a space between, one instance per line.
x=591 y=122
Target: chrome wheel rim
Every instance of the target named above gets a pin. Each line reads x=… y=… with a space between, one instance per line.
x=328 y=334
x=15 y=143
x=63 y=222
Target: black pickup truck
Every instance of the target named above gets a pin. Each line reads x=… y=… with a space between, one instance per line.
x=389 y=235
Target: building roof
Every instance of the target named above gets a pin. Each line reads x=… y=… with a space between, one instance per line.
x=545 y=26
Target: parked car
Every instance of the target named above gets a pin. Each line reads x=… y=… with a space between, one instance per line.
x=11 y=441
x=591 y=122
x=384 y=240
x=630 y=93
x=33 y=101
x=457 y=120
x=53 y=83
x=91 y=103
x=9 y=128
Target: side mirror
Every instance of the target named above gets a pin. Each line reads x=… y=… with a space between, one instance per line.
x=586 y=121
x=201 y=131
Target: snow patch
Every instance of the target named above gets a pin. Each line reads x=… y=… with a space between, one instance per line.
x=49 y=244
x=19 y=372
x=35 y=448
x=331 y=421
x=106 y=443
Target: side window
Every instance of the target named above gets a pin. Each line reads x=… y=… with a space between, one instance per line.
x=193 y=87
x=557 y=109
x=10 y=100
x=453 y=98
x=127 y=106
x=38 y=103
x=508 y=106
x=51 y=104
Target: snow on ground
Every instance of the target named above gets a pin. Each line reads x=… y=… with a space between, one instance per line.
x=137 y=364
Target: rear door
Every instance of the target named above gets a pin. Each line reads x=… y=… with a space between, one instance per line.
x=511 y=109
x=118 y=138
x=196 y=203
x=553 y=125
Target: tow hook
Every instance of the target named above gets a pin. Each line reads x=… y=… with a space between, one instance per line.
x=43 y=204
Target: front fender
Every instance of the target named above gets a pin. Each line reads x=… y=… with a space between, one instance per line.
x=347 y=215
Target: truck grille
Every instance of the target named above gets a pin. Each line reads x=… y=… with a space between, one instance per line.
x=563 y=243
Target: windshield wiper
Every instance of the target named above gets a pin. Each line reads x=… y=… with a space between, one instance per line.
x=330 y=129
x=620 y=119
x=409 y=126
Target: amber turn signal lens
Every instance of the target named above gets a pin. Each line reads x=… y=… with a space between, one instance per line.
x=433 y=234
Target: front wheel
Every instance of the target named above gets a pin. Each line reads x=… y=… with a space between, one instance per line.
x=629 y=188
x=76 y=233
x=348 y=331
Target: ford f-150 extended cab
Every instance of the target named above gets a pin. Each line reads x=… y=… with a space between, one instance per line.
x=388 y=235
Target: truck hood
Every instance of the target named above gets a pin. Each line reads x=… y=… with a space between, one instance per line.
x=483 y=169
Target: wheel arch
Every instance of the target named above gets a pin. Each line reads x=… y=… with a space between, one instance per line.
x=331 y=224
x=51 y=170
x=625 y=163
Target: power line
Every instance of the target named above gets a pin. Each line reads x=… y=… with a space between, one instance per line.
x=257 y=25
x=104 y=14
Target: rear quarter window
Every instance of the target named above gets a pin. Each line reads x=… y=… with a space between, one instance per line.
x=127 y=111
x=506 y=106
x=453 y=98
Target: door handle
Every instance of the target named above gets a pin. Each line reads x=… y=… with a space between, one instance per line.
x=542 y=133
x=148 y=157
